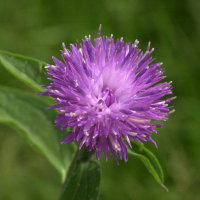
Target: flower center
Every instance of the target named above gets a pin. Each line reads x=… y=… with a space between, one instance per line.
x=109 y=96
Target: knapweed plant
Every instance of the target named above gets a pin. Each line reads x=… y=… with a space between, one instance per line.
x=105 y=96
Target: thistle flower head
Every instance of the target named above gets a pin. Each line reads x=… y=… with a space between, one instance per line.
x=109 y=93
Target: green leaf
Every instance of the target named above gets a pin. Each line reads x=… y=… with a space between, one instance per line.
x=149 y=160
x=27 y=113
x=28 y=70
x=83 y=181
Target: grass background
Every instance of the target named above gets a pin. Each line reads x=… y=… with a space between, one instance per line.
x=37 y=29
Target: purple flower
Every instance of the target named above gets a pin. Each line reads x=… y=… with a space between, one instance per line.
x=109 y=93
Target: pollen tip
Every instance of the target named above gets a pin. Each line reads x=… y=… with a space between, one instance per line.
x=99 y=32
x=172 y=111
x=63 y=44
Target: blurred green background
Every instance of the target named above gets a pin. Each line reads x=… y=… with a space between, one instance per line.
x=37 y=29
